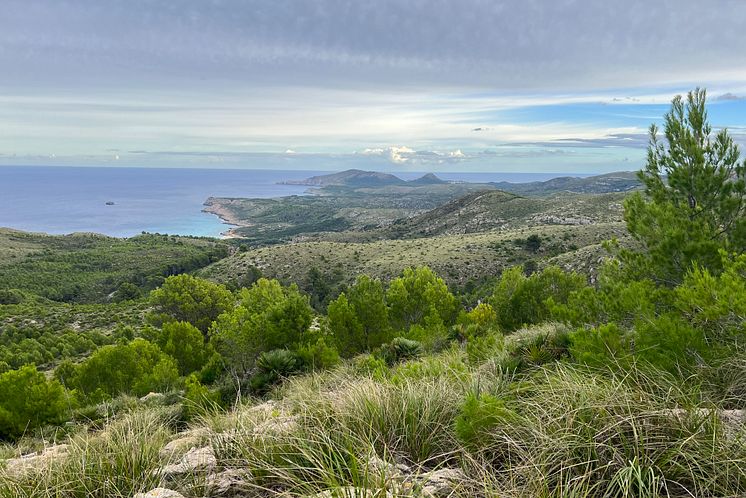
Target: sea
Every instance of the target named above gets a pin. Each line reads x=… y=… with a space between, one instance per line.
x=123 y=202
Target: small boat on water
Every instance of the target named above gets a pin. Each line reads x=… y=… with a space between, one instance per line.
x=109 y=203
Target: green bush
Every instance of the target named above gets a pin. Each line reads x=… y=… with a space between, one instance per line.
x=198 y=399
x=601 y=347
x=268 y=316
x=401 y=349
x=185 y=344
x=671 y=344
x=138 y=368
x=419 y=295
x=519 y=300
x=359 y=318
x=190 y=299
x=29 y=400
x=317 y=355
x=11 y=296
x=273 y=366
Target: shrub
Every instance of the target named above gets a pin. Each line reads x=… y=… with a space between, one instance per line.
x=359 y=318
x=126 y=291
x=185 y=344
x=273 y=366
x=519 y=300
x=11 y=296
x=417 y=295
x=197 y=398
x=600 y=347
x=268 y=316
x=28 y=400
x=190 y=299
x=138 y=368
x=317 y=355
x=401 y=349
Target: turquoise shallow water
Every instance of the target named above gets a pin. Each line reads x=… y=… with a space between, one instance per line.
x=60 y=200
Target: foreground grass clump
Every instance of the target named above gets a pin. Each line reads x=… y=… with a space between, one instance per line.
x=554 y=430
x=119 y=461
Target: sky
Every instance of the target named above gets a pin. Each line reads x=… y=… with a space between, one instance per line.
x=393 y=85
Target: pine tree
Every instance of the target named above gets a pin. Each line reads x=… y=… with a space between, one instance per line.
x=694 y=202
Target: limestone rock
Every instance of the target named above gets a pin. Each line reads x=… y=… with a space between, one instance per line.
x=281 y=425
x=184 y=441
x=196 y=460
x=229 y=483
x=160 y=493
x=152 y=397
x=35 y=461
x=377 y=465
x=441 y=482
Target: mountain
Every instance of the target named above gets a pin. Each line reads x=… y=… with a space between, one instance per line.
x=351 y=178
x=428 y=179
x=620 y=181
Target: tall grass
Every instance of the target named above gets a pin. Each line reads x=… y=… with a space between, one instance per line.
x=118 y=462
x=567 y=431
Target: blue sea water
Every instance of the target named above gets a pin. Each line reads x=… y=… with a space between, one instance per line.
x=60 y=200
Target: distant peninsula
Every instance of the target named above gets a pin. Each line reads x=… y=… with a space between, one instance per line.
x=361 y=179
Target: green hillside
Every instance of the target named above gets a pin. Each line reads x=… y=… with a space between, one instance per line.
x=84 y=267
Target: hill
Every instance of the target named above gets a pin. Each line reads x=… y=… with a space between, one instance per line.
x=490 y=210
x=334 y=208
x=350 y=178
x=621 y=181
x=427 y=179
x=457 y=258
x=86 y=267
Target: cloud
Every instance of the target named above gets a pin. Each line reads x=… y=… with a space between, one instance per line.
x=515 y=46
x=405 y=155
x=729 y=97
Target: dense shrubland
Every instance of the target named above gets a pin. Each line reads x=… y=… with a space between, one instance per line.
x=542 y=385
x=90 y=268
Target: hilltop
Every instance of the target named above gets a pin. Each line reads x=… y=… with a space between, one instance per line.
x=350 y=178
x=620 y=181
x=497 y=209
x=357 y=178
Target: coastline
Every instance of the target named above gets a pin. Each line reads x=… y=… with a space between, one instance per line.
x=214 y=206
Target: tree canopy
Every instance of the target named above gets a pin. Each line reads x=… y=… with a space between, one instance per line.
x=694 y=203
x=189 y=299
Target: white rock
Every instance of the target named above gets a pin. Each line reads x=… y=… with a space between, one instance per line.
x=184 y=441
x=441 y=482
x=151 y=396
x=36 y=461
x=196 y=460
x=277 y=426
x=378 y=465
x=160 y=493
x=230 y=482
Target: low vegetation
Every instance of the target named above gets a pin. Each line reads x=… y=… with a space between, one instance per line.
x=90 y=268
